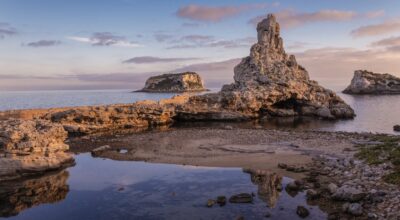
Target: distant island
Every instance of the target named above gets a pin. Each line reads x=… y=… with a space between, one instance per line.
x=174 y=82
x=365 y=82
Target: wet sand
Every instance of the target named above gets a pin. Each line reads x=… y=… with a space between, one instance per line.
x=221 y=147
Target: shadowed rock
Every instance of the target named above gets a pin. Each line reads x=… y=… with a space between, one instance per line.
x=365 y=82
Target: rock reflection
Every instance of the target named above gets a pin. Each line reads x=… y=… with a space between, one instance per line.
x=269 y=185
x=18 y=196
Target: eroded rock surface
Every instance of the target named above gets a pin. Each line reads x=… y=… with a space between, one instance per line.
x=31 y=146
x=365 y=82
x=269 y=82
x=178 y=82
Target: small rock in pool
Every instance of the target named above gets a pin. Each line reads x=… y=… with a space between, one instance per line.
x=241 y=198
x=221 y=200
x=353 y=208
x=396 y=128
x=312 y=194
x=282 y=165
x=302 y=211
x=210 y=203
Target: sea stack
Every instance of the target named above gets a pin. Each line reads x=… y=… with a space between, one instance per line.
x=175 y=82
x=268 y=83
x=365 y=82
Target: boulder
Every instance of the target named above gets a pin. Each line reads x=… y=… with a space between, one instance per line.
x=269 y=82
x=365 y=82
x=175 y=82
x=396 y=128
x=31 y=146
x=348 y=193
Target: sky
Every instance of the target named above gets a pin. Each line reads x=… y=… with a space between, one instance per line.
x=117 y=44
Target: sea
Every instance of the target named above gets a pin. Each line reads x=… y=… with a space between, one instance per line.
x=99 y=188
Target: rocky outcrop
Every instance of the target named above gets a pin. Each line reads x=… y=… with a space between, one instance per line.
x=269 y=83
x=365 y=82
x=179 y=82
x=31 y=146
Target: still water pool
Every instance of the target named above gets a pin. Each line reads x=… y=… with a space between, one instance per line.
x=99 y=188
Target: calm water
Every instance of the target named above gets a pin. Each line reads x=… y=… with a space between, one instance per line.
x=105 y=189
x=374 y=113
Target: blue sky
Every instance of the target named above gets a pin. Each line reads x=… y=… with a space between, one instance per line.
x=66 y=44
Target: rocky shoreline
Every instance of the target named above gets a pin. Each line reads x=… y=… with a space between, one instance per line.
x=333 y=168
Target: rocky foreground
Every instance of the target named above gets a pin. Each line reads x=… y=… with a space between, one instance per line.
x=175 y=82
x=365 y=82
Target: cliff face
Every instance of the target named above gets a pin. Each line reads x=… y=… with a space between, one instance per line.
x=29 y=146
x=267 y=83
x=180 y=82
x=365 y=82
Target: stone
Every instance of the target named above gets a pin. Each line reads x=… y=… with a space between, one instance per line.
x=32 y=146
x=332 y=188
x=348 y=193
x=241 y=198
x=210 y=203
x=353 y=208
x=312 y=194
x=176 y=82
x=98 y=150
x=302 y=212
x=221 y=200
x=365 y=82
x=396 y=128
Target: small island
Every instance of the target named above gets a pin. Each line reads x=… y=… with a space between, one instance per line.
x=174 y=82
x=365 y=82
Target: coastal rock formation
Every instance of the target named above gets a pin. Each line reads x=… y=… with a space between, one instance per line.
x=269 y=82
x=31 y=146
x=179 y=82
x=365 y=82
x=16 y=196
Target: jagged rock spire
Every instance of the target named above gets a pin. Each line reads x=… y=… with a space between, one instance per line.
x=268 y=34
x=268 y=61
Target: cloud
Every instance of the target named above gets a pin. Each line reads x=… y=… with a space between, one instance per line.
x=199 y=41
x=7 y=30
x=392 y=41
x=105 y=39
x=160 y=37
x=214 y=14
x=44 y=43
x=187 y=24
x=149 y=59
x=388 y=26
x=375 y=14
x=292 y=18
x=335 y=65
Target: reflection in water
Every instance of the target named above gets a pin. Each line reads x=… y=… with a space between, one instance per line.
x=269 y=185
x=138 y=190
x=18 y=196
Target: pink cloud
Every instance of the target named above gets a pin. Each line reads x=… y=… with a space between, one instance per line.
x=214 y=14
x=292 y=18
x=385 y=27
